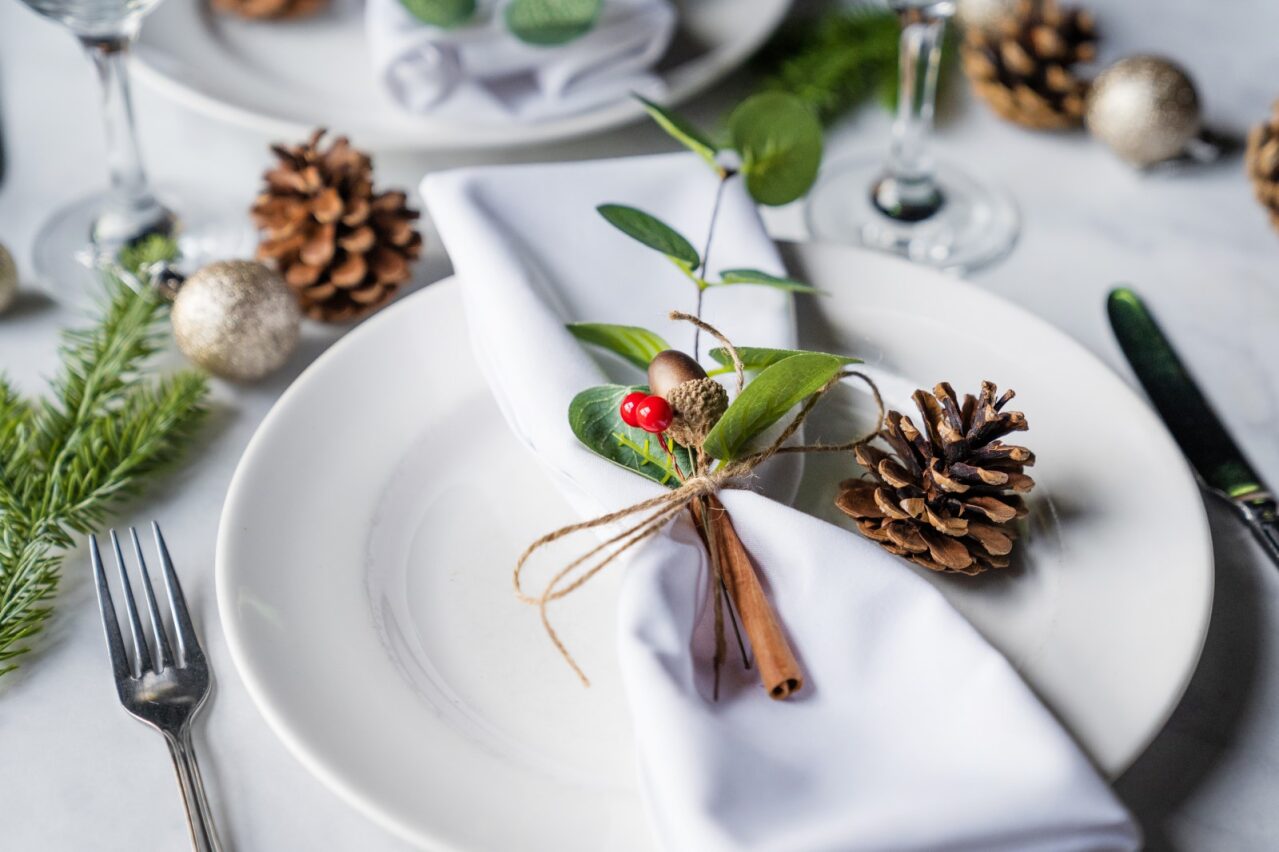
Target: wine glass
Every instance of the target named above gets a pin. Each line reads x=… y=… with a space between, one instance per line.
x=78 y=239
x=930 y=212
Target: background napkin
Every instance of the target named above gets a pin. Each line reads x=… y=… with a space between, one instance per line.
x=480 y=72
x=911 y=731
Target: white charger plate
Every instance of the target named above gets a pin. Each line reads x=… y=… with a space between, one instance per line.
x=368 y=607
x=287 y=77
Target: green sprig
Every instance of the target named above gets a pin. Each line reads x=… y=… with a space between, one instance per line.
x=68 y=460
x=837 y=60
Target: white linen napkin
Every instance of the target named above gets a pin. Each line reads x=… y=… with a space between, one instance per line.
x=911 y=731
x=481 y=73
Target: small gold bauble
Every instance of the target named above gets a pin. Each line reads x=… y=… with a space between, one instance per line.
x=237 y=319
x=986 y=15
x=8 y=279
x=1144 y=108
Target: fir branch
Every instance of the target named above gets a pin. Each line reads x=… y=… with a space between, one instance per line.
x=66 y=461
x=838 y=59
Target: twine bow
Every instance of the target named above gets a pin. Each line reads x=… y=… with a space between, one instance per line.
x=657 y=511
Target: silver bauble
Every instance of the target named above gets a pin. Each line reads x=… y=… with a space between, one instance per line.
x=1145 y=108
x=985 y=15
x=8 y=279
x=237 y=319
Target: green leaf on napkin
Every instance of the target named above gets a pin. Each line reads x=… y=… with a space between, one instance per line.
x=780 y=142
x=551 y=22
x=682 y=131
x=594 y=418
x=754 y=276
x=635 y=344
x=756 y=358
x=441 y=13
x=775 y=391
x=652 y=232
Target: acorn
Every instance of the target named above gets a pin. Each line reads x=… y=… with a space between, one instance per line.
x=697 y=400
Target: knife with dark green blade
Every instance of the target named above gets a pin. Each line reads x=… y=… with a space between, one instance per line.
x=1213 y=454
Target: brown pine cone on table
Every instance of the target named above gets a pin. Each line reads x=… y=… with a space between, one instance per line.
x=1025 y=70
x=945 y=497
x=269 y=8
x=344 y=249
x=1261 y=159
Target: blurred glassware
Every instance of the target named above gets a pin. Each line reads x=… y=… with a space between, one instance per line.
x=931 y=212
x=79 y=237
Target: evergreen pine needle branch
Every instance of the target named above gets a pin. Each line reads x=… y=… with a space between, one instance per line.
x=66 y=461
x=840 y=58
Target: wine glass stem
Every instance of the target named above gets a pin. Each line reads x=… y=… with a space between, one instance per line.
x=908 y=190
x=133 y=210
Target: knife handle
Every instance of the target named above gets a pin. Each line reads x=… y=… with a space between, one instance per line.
x=1262 y=515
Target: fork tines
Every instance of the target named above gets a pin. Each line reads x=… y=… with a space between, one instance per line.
x=187 y=644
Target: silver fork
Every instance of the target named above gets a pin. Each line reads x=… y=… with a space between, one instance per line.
x=165 y=691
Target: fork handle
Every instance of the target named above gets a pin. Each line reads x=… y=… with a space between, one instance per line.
x=204 y=837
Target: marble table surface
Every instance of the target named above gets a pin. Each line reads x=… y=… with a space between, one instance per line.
x=76 y=774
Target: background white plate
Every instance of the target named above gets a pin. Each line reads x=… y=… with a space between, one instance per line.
x=286 y=77
x=367 y=601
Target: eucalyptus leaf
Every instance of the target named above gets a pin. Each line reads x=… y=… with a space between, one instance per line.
x=775 y=391
x=441 y=13
x=682 y=131
x=551 y=22
x=754 y=276
x=652 y=232
x=594 y=418
x=756 y=358
x=780 y=143
x=635 y=344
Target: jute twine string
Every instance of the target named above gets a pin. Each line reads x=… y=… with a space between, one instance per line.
x=659 y=510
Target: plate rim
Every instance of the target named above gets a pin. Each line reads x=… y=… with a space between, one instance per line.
x=612 y=116
x=302 y=751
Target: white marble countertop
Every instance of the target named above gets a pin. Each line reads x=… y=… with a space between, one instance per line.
x=76 y=774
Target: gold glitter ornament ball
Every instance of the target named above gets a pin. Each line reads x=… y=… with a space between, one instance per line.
x=1144 y=108
x=237 y=319
x=8 y=279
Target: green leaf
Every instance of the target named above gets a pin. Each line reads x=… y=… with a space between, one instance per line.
x=441 y=13
x=652 y=232
x=756 y=358
x=780 y=143
x=682 y=131
x=594 y=418
x=551 y=22
x=775 y=391
x=754 y=276
x=635 y=344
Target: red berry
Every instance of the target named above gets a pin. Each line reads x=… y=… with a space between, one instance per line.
x=627 y=410
x=654 y=414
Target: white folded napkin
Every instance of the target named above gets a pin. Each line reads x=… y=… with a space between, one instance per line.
x=480 y=72
x=911 y=731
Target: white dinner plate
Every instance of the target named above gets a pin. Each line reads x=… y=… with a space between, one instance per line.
x=364 y=559
x=287 y=77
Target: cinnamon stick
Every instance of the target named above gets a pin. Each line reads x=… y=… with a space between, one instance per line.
x=779 y=671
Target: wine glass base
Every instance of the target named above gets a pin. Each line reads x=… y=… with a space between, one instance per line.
x=976 y=225
x=66 y=257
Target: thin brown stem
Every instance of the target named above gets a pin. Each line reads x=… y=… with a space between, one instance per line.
x=704 y=267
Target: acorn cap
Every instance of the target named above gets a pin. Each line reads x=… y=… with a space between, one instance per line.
x=698 y=405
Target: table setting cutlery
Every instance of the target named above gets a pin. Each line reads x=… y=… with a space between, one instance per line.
x=167 y=680
x=1220 y=465
x=644 y=528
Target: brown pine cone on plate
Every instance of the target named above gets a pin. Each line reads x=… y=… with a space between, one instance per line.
x=1025 y=71
x=344 y=249
x=946 y=497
